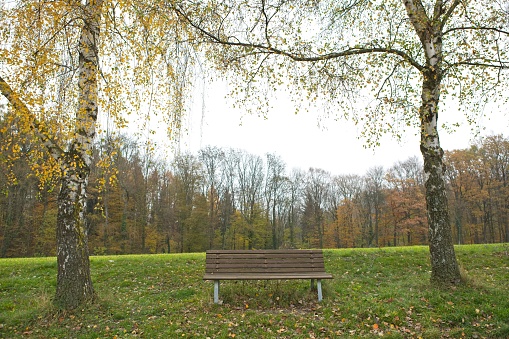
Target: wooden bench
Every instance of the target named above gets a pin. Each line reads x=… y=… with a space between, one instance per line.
x=265 y=265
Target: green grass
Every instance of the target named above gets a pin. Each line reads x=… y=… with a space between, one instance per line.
x=375 y=293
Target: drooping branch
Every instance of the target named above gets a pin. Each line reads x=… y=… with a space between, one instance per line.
x=476 y=28
x=269 y=49
x=500 y=65
x=55 y=151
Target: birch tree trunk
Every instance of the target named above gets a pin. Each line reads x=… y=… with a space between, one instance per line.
x=444 y=267
x=74 y=284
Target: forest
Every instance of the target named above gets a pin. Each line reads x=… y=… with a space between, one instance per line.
x=231 y=199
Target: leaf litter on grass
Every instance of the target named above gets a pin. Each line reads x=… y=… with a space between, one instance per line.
x=373 y=294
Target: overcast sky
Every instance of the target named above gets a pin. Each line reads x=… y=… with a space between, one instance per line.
x=304 y=140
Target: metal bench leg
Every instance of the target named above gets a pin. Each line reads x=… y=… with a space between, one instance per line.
x=216 y=291
x=312 y=284
x=319 y=287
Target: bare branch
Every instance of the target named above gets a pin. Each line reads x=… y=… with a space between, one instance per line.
x=476 y=28
x=215 y=38
x=449 y=12
x=499 y=66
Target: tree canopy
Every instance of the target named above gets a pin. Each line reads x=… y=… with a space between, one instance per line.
x=68 y=65
x=364 y=58
x=388 y=64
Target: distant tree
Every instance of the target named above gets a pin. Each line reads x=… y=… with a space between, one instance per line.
x=406 y=203
x=316 y=191
x=495 y=157
x=212 y=160
x=188 y=178
x=294 y=202
x=350 y=188
x=228 y=199
x=235 y=235
x=373 y=201
x=334 y=201
x=155 y=224
x=461 y=171
x=198 y=239
x=250 y=182
x=478 y=182
x=274 y=192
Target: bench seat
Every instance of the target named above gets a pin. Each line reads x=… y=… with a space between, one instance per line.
x=265 y=265
x=271 y=276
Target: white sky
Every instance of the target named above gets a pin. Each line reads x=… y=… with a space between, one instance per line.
x=299 y=140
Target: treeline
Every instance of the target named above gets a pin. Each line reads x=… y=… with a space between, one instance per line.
x=230 y=199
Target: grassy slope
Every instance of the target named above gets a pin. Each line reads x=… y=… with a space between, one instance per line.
x=375 y=293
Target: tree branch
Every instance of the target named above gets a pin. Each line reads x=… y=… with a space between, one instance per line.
x=56 y=152
x=417 y=15
x=449 y=12
x=213 y=38
x=476 y=28
x=500 y=66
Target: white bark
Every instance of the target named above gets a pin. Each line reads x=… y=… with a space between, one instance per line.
x=74 y=284
x=443 y=258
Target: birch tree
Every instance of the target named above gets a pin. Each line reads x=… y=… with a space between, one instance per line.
x=387 y=65
x=62 y=63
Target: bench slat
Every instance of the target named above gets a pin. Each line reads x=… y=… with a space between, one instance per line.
x=250 y=252
x=262 y=269
x=279 y=276
x=262 y=265
x=265 y=257
x=264 y=262
x=262 y=258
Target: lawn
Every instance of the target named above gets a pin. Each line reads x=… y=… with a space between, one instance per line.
x=375 y=293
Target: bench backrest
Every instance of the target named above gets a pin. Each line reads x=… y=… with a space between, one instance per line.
x=264 y=261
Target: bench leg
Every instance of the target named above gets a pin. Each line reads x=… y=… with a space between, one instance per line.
x=312 y=284
x=319 y=287
x=216 y=291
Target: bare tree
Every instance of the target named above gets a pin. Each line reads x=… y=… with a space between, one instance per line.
x=316 y=193
x=212 y=158
x=275 y=183
x=250 y=183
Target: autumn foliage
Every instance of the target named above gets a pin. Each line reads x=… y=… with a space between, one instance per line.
x=226 y=198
